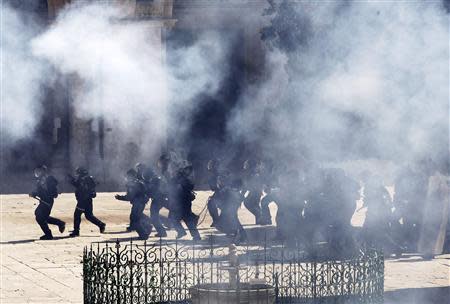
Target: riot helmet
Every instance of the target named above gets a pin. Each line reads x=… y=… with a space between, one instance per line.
x=80 y=171
x=40 y=171
x=131 y=175
x=212 y=165
x=139 y=167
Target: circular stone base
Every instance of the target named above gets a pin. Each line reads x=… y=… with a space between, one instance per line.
x=224 y=293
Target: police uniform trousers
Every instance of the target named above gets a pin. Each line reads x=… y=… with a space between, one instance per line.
x=86 y=208
x=43 y=218
x=156 y=205
x=213 y=207
x=188 y=217
x=266 y=218
x=251 y=202
x=229 y=222
x=137 y=210
x=139 y=221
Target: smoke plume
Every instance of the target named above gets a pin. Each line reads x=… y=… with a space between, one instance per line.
x=341 y=80
x=123 y=77
x=358 y=80
x=21 y=75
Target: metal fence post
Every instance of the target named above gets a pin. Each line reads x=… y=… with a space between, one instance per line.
x=118 y=271
x=85 y=277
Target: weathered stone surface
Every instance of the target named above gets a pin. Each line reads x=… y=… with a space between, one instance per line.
x=34 y=271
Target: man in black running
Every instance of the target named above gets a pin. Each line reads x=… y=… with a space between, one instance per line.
x=181 y=195
x=213 y=203
x=84 y=193
x=152 y=184
x=137 y=196
x=46 y=191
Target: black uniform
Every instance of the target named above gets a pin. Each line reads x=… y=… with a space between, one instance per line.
x=152 y=184
x=411 y=188
x=331 y=202
x=377 y=226
x=269 y=184
x=46 y=191
x=291 y=202
x=213 y=201
x=137 y=196
x=228 y=221
x=315 y=211
x=342 y=193
x=181 y=195
x=159 y=201
x=84 y=193
x=253 y=184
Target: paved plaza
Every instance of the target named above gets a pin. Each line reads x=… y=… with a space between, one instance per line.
x=34 y=271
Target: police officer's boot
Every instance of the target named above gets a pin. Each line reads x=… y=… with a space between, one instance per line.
x=46 y=237
x=241 y=237
x=161 y=234
x=102 y=228
x=62 y=227
x=196 y=236
x=180 y=234
x=264 y=220
x=74 y=233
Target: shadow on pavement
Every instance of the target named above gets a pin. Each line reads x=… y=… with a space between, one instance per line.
x=409 y=260
x=416 y=257
x=116 y=232
x=124 y=239
x=435 y=295
x=55 y=238
x=18 y=242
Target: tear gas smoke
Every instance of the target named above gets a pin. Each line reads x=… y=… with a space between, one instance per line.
x=366 y=79
x=117 y=72
x=122 y=69
x=340 y=81
x=358 y=80
x=20 y=76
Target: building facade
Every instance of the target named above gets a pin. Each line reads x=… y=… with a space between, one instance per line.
x=64 y=141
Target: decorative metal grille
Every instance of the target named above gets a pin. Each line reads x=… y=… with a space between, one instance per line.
x=165 y=272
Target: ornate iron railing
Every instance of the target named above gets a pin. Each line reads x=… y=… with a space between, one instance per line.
x=164 y=272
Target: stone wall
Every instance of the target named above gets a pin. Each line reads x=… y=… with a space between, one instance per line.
x=100 y=144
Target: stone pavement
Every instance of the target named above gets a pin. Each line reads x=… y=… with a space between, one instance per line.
x=34 y=271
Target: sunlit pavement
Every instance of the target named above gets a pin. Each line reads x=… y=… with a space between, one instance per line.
x=34 y=271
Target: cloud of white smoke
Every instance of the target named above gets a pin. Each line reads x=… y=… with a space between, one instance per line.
x=370 y=80
x=21 y=75
x=118 y=64
x=123 y=76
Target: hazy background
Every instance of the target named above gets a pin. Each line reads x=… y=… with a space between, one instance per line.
x=339 y=81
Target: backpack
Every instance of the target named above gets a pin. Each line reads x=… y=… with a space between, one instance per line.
x=89 y=185
x=52 y=188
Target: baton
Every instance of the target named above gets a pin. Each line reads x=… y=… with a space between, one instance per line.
x=42 y=201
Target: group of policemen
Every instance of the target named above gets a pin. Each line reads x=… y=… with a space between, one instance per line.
x=46 y=191
x=173 y=189
x=313 y=204
x=317 y=204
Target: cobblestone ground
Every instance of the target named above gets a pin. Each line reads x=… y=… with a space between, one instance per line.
x=34 y=271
